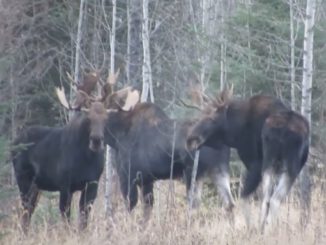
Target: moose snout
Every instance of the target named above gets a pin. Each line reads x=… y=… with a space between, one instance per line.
x=96 y=143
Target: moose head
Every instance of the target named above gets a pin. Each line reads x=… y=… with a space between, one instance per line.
x=96 y=110
x=213 y=120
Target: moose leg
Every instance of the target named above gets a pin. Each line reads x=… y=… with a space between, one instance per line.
x=129 y=192
x=64 y=204
x=148 y=197
x=29 y=199
x=222 y=184
x=86 y=201
x=282 y=188
x=267 y=194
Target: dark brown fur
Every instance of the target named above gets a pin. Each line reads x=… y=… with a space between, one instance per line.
x=269 y=138
x=65 y=159
x=143 y=141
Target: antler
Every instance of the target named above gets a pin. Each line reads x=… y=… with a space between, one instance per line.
x=88 y=83
x=225 y=96
x=131 y=100
x=111 y=80
x=81 y=99
x=62 y=97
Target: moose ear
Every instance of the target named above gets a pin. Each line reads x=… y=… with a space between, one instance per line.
x=131 y=100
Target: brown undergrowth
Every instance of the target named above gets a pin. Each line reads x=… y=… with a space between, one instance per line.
x=170 y=223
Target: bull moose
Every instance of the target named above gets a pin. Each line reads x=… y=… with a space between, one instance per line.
x=148 y=143
x=65 y=159
x=271 y=140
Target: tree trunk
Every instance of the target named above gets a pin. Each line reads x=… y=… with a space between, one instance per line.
x=78 y=40
x=13 y=113
x=147 y=70
x=77 y=52
x=134 y=59
x=308 y=44
x=109 y=172
x=292 y=61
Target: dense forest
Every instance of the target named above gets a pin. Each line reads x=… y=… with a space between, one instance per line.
x=172 y=50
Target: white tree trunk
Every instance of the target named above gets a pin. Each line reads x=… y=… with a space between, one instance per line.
x=222 y=46
x=134 y=44
x=147 y=70
x=292 y=60
x=78 y=40
x=192 y=185
x=13 y=114
x=77 y=52
x=112 y=38
x=308 y=45
x=109 y=172
x=128 y=42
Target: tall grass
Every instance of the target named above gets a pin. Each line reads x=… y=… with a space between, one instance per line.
x=168 y=225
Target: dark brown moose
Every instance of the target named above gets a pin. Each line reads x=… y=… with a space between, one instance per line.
x=150 y=146
x=65 y=159
x=271 y=140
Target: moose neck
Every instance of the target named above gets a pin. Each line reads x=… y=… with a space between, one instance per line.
x=235 y=123
x=77 y=130
x=116 y=126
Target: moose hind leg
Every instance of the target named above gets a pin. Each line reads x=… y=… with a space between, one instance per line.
x=29 y=193
x=282 y=188
x=267 y=185
x=29 y=202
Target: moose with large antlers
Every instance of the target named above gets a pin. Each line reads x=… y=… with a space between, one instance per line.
x=271 y=140
x=68 y=158
x=150 y=146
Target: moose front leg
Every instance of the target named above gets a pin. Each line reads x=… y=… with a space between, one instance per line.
x=86 y=201
x=148 y=198
x=65 y=204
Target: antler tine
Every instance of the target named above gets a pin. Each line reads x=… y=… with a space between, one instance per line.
x=112 y=77
x=73 y=82
x=62 y=97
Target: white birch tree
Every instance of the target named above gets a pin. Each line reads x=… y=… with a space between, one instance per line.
x=13 y=107
x=78 y=39
x=308 y=46
x=109 y=172
x=292 y=57
x=134 y=45
x=77 y=51
x=147 y=70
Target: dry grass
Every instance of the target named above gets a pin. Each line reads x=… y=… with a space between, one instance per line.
x=169 y=225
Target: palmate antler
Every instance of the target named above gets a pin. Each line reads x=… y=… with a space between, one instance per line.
x=88 y=84
x=125 y=98
x=84 y=89
x=111 y=80
x=80 y=94
x=224 y=97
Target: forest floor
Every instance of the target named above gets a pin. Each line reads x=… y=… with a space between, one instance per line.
x=170 y=223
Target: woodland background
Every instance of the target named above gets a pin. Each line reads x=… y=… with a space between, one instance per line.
x=177 y=48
